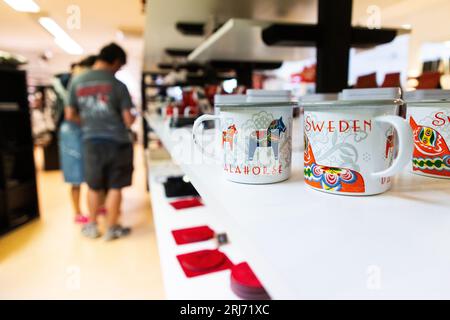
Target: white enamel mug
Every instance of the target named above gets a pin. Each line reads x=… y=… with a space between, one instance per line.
x=255 y=139
x=349 y=144
x=428 y=113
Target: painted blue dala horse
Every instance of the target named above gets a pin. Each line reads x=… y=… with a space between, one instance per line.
x=269 y=138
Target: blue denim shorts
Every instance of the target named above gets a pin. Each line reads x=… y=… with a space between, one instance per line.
x=71 y=153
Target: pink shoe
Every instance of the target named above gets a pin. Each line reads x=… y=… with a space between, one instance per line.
x=80 y=219
x=102 y=211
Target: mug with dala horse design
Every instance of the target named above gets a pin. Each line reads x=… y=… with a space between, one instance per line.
x=349 y=143
x=429 y=116
x=255 y=139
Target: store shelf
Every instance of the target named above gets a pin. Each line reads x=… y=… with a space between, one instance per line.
x=215 y=286
x=307 y=35
x=19 y=200
x=306 y=244
x=240 y=39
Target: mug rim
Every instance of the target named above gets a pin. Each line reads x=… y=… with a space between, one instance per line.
x=258 y=104
x=353 y=103
x=427 y=103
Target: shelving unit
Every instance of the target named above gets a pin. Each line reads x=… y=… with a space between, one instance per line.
x=305 y=244
x=332 y=36
x=50 y=150
x=18 y=194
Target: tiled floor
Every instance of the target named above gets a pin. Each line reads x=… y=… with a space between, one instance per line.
x=49 y=258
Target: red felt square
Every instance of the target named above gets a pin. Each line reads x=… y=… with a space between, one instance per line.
x=245 y=284
x=203 y=262
x=190 y=235
x=186 y=203
x=243 y=275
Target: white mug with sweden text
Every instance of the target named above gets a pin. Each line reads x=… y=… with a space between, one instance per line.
x=349 y=144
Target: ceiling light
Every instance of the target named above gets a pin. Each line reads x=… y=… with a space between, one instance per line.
x=62 y=39
x=51 y=26
x=120 y=36
x=69 y=45
x=407 y=26
x=23 y=5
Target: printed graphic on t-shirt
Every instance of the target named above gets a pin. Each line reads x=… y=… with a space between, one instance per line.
x=100 y=99
x=95 y=98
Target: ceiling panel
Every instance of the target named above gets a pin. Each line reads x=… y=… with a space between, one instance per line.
x=100 y=21
x=162 y=15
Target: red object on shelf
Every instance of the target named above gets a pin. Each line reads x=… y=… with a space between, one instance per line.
x=189 y=100
x=391 y=80
x=169 y=110
x=429 y=80
x=203 y=262
x=195 y=234
x=186 y=203
x=367 y=81
x=210 y=91
x=243 y=275
x=245 y=284
x=307 y=75
x=249 y=295
x=258 y=80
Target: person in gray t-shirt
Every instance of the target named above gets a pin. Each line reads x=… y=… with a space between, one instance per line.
x=102 y=104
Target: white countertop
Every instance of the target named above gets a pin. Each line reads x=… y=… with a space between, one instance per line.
x=305 y=244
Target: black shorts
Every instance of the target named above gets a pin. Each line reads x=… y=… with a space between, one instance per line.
x=107 y=164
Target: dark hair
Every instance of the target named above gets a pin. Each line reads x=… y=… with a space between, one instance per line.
x=88 y=61
x=111 y=53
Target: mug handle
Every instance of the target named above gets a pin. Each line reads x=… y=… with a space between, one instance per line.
x=405 y=141
x=195 y=128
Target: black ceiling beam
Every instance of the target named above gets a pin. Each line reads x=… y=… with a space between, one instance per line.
x=365 y=38
x=222 y=65
x=231 y=64
x=189 y=66
x=290 y=35
x=191 y=28
x=267 y=65
x=165 y=66
x=333 y=36
x=244 y=69
x=178 y=52
x=333 y=45
x=155 y=73
x=307 y=35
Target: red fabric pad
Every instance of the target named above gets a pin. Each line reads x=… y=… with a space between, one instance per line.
x=245 y=284
x=429 y=80
x=244 y=276
x=391 y=80
x=367 y=81
x=186 y=203
x=247 y=290
x=243 y=294
x=203 y=262
x=195 y=234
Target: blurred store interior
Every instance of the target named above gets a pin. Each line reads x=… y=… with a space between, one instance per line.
x=179 y=55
